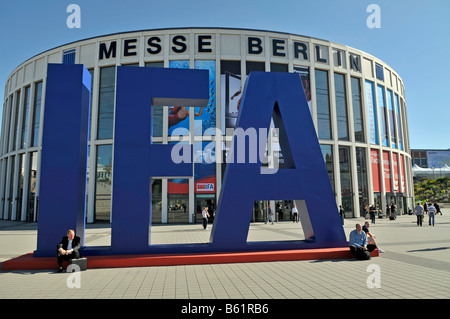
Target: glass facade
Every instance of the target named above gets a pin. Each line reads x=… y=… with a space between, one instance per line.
x=16 y=121
x=383 y=117
x=103 y=183
x=36 y=114
x=353 y=110
x=358 y=122
x=106 y=103
x=26 y=107
x=341 y=106
x=323 y=105
x=346 y=180
x=392 y=118
x=327 y=153
x=363 y=186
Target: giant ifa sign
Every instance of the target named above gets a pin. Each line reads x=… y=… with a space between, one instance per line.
x=267 y=96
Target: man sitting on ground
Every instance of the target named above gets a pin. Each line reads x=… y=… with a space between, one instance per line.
x=68 y=248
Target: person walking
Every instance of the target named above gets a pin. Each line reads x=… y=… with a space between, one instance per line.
x=431 y=213
x=205 y=216
x=269 y=216
x=294 y=214
x=418 y=210
x=372 y=213
x=394 y=210
x=341 y=213
x=438 y=209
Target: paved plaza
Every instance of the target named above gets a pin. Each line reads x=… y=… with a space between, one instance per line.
x=415 y=264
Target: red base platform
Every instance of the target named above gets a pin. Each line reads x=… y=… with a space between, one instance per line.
x=28 y=262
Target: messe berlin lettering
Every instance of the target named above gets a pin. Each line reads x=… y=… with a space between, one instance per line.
x=137 y=160
x=205 y=44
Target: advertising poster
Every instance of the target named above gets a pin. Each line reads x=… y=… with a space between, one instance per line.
x=178 y=116
x=204 y=168
x=304 y=76
x=403 y=176
x=438 y=159
x=205 y=117
x=375 y=161
x=178 y=185
x=231 y=92
x=387 y=172
x=371 y=113
x=396 y=170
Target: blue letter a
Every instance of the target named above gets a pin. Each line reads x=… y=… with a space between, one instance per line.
x=304 y=179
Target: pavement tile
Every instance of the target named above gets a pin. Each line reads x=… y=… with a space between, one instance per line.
x=416 y=265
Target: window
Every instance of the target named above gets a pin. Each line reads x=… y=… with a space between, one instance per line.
x=392 y=118
x=383 y=119
x=69 y=57
x=106 y=102
x=323 y=105
x=399 y=123
x=379 y=72
x=26 y=106
x=341 y=106
x=278 y=67
x=103 y=183
x=231 y=92
x=255 y=66
x=327 y=153
x=357 y=110
x=36 y=114
x=154 y=64
x=361 y=170
x=16 y=121
x=157 y=111
x=346 y=180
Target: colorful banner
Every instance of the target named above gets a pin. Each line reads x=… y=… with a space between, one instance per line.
x=395 y=164
x=304 y=76
x=375 y=161
x=371 y=113
x=205 y=117
x=204 y=168
x=438 y=159
x=231 y=92
x=178 y=115
x=177 y=185
x=387 y=172
x=403 y=176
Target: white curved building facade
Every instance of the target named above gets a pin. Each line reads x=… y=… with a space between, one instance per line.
x=357 y=103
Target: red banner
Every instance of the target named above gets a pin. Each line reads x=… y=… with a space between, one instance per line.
x=402 y=170
x=396 y=170
x=375 y=160
x=387 y=172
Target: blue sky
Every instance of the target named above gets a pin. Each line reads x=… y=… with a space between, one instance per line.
x=413 y=38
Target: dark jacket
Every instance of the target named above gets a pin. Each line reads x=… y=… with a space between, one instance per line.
x=76 y=244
